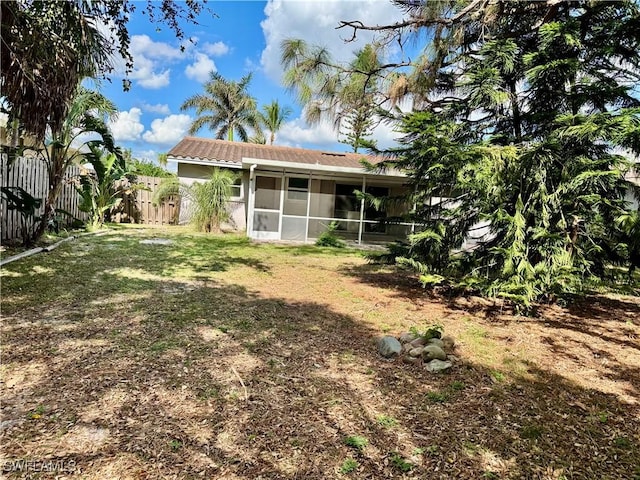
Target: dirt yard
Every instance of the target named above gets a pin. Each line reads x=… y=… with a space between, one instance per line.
x=212 y=357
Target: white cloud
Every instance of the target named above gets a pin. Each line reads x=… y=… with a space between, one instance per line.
x=201 y=68
x=168 y=130
x=146 y=76
x=143 y=45
x=250 y=65
x=315 y=22
x=150 y=155
x=297 y=133
x=160 y=108
x=385 y=135
x=217 y=49
x=126 y=126
x=149 y=61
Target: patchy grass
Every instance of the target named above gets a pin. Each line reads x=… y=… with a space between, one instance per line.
x=214 y=357
x=356 y=441
x=401 y=463
x=437 y=397
x=386 y=421
x=348 y=466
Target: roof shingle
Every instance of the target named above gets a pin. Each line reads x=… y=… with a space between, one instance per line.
x=206 y=149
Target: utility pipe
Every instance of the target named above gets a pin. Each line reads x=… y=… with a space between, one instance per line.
x=251 y=199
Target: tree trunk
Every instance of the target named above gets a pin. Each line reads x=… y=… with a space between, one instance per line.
x=573 y=235
x=57 y=170
x=517 y=121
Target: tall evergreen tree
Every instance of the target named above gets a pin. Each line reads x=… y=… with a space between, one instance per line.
x=345 y=94
x=356 y=126
x=522 y=110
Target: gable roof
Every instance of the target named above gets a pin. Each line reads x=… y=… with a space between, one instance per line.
x=223 y=151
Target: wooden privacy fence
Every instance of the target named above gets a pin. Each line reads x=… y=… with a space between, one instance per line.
x=136 y=207
x=30 y=173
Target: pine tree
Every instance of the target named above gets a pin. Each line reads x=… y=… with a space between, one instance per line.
x=523 y=110
x=347 y=94
x=356 y=127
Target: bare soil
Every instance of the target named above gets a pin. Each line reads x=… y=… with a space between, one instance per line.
x=216 y=358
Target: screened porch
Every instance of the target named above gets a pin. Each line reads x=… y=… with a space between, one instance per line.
x=301 y=206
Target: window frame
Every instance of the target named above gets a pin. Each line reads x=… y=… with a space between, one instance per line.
x=240 y=188
x=297 y=190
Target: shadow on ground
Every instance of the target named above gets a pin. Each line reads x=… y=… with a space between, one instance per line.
x=148 y=376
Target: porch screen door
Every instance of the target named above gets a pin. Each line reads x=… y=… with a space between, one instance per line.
x=266 y=213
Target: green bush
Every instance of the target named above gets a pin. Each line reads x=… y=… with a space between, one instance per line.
x=329 y=239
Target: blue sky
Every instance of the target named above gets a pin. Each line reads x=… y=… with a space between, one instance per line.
x=244 y=37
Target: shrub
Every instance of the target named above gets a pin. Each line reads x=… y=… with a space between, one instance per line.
x=328 y=238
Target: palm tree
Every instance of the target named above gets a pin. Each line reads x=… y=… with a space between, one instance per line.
x=87 y=113
x=163 y=159
x=228 y=105
x=273 y=116
x=258 y=138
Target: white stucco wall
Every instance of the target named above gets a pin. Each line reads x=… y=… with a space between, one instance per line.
x=189 y=173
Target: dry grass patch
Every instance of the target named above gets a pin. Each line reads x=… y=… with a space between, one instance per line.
x=216 y=358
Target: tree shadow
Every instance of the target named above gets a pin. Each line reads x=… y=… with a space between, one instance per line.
x=402 y=284
x=153 y=377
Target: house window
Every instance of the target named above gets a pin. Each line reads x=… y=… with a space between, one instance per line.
x=297 y=189
x=346 y=203
x=267 y=193
x=371 y=213
x=236 y=188
x=347 y=206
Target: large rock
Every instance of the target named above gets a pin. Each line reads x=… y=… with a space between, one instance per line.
x=418 y=342
x=433 y=352
x=389 y=347
x=407 y=337
x=416 y=352
x=448 y=342
x=438 y=366
x=437 y=342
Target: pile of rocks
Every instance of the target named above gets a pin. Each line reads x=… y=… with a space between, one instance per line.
x=419 y=349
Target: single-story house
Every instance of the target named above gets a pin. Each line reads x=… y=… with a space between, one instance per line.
x=286 y=193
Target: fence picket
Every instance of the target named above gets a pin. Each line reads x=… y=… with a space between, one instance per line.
x=30 y=173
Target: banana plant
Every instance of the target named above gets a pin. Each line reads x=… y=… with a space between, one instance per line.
x=100 y=190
